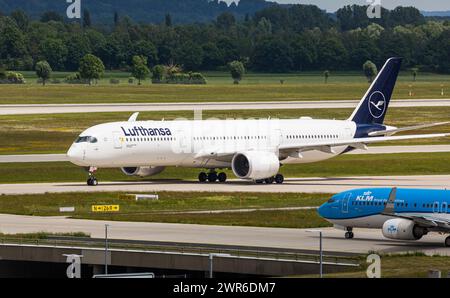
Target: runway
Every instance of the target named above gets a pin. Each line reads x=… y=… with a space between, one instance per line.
x=372 y=150
x=365 y=240
x=189 y=106
x=292 y=185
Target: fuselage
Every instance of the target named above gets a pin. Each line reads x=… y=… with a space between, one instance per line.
x=363 y=208
x=187 y=143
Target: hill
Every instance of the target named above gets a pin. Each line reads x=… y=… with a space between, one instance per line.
x=147 y=11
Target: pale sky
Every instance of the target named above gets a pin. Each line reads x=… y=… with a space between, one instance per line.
x=332 y=6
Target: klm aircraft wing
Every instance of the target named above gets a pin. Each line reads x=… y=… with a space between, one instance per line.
x=327 y=145
x=426 y=221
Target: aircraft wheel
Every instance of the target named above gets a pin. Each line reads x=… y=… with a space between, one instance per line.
x=269 y=180
x=279 y=179
x=92 y=181
x=202 y=177
x=212 y=177
x=447 y=241
x=349 y=235
x=222 y=177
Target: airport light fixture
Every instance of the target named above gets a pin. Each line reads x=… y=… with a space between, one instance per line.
x=321 y=249
x=211 y=257
x=106 y=249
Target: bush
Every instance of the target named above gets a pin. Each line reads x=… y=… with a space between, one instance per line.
x=197 y=78
x=75 y=79
x=10 y=77
x=114 y=81
x=158 y=74
x=130 y=80
x=56 y=81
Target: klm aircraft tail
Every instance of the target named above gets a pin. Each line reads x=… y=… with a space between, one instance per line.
x=373 y=106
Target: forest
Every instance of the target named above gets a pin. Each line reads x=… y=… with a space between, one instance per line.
x=277 y=38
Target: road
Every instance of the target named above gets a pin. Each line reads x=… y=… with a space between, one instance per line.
x=262 y=105
x=372 y=150
x=365 y=240
x=292 y=185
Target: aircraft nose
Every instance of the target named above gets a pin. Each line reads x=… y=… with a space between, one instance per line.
x=323 y=210
x=75 y=154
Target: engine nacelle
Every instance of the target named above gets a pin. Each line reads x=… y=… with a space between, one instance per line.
x=142 y=171
x=255 y=165
x=403 y=229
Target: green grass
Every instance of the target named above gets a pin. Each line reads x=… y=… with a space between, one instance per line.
x=156 y=211
x=413 y=265
x=42 y=235
x=31 y=134
x=346 y=165
x=254 y=87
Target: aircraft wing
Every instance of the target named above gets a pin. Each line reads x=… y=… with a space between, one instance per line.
x=426 y=221
x=390 y=132
x=327 y=145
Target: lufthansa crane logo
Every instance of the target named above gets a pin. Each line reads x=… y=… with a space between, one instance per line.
x=377 y=104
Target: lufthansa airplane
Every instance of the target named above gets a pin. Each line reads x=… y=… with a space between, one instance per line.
x=404 y=214
x=253 y=149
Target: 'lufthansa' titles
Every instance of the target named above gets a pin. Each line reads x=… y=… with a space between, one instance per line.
x=142 y=131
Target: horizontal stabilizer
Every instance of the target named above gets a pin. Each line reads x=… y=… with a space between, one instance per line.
x=391 y=132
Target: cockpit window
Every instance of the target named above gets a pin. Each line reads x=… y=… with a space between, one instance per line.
x=87 y=139
x=331 y=200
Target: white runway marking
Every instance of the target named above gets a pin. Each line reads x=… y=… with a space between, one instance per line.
x=190 y=106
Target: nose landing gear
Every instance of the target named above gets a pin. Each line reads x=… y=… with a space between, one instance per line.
x=349 y=234
x=92 y=181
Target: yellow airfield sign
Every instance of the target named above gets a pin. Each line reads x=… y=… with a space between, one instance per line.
x=105 y=208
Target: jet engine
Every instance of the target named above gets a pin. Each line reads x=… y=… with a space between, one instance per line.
x=403 y=229
x=142 y=171
x=255 y=165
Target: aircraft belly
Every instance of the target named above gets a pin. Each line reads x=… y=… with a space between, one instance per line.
x=314 y=156
x=372 y=221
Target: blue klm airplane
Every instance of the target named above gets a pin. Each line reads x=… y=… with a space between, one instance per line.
x=405 y=214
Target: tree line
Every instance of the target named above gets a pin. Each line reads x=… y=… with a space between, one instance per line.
x=275 y=39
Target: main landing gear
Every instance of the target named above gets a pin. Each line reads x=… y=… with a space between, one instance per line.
x=349 y=234
x=92 y=181
x=278 y=179
x=212 y=177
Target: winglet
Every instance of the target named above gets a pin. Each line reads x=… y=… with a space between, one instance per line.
x=389 y=209
x=133 y=117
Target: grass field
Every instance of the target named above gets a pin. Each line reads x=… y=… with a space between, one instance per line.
x=255 y=87
x=414 y=265
x=159 y=211
x=31 y=134
x=347 y=165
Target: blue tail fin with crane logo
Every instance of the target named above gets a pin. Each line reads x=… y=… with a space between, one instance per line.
x=374 y=104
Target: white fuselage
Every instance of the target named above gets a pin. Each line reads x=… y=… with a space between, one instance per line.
x=188 y=143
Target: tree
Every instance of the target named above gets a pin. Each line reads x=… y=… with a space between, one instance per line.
x=91 y=67
x=326 y=75
x=43 y=71
x=414 y=70
x=21 y=18
x=168 y=20
x=237 y=71
x=158 y=73
x=226 y=20
x=370 y=70
x=139 y=68
x=51 y=16
x=86 y=19
x=116 y=18
x=54 y=51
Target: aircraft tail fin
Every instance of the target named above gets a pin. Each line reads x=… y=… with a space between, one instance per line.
x=373 y=106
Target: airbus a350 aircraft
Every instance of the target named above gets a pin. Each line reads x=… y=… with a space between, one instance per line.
x=404 y=214
x=253 y=149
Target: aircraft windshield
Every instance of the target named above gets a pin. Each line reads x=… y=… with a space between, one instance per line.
x=87 y=139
